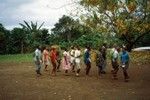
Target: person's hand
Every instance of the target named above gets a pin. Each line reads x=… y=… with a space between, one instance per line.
x=40 y=61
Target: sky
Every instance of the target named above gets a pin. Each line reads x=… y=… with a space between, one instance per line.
x=13 y=12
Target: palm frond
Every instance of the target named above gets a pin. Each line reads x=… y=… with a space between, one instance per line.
x=41 y=26
x=27 y=25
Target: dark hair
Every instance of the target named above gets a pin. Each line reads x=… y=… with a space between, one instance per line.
x=100 y=49
x=89 y=48
x=72 y=47
x=65 y=49
x=104 y=44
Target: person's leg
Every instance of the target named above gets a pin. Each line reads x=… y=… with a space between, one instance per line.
x=58 y=66
x=116 y=68
x=112 y=69
x=73 y=64
x=126 y=76
x=104 y=67
x=78 y=69
x=99 y=70
x=39 y=69
x=66 y=71
x=115 y=73
x=54 y=69
x=88 y=68
x=46 y=67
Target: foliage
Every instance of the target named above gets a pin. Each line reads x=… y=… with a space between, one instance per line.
x=22 y=40
x=67 y=29
x=128 y=19
x=140 y=57
x=34 y=34
x=4 y=40
x=96 y=40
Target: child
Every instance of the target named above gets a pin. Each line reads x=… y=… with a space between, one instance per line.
x=66 y=61
x=124 y=57
x=99 y=61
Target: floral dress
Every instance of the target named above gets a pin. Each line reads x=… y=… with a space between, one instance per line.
x=66 y=61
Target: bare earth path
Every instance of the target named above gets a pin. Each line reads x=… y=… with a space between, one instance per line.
x=19 y=82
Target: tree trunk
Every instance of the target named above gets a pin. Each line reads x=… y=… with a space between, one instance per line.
x=129 y=46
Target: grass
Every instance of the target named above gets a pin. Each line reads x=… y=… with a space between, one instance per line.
x=16 y=58
x=136 y=57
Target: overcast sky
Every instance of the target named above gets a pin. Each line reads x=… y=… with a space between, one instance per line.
x=13 y=12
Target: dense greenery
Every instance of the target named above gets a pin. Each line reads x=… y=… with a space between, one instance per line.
x=100 y=21
x=22 y=40
x=129 y=19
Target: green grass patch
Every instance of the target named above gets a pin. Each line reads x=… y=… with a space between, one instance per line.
x=16 y=58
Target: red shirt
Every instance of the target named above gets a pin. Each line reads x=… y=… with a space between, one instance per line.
x=53 y=56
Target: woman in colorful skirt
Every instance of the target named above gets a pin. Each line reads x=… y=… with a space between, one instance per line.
x=66 y=61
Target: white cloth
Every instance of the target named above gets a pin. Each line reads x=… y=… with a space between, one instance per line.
x=66 y=53
x=115 y=55
x=38 y=55
x=77 y=56
x=72 y=53
x=85 y=50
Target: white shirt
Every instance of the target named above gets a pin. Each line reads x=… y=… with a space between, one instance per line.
x=77 y=56
x=72 y=53
x=37 y=54
x=115 y=54
x=66 y=53
x=85 y=50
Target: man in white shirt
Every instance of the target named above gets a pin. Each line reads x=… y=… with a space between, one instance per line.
x=38 y=59
x=72 y=53
x=114 y=61
x=77 y=60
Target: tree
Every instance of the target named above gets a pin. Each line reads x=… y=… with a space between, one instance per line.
x=128 y=19
x=44 y=36
x=18 y=36
x=67 y=29
x=33 y=33
x=4 y=40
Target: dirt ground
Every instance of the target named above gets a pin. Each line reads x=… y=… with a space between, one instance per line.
x=18 y=81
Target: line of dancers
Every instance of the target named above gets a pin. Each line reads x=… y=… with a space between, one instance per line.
x=71 y=60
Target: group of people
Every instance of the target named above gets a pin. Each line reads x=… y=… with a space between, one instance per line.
x=70 y=60
x=119 y=58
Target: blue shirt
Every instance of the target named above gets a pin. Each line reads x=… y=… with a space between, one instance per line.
x=124 y=57
x=87 y=57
